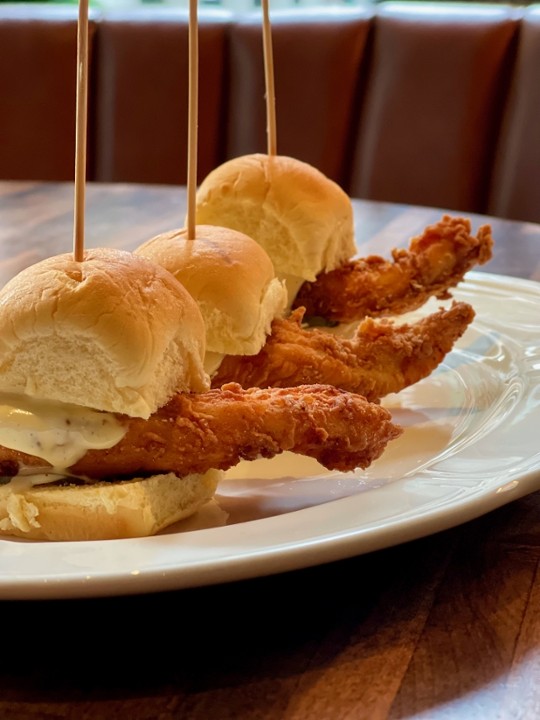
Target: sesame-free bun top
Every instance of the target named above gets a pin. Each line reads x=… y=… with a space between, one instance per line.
x=232 y=279
x=300 y=217
x=114 y=332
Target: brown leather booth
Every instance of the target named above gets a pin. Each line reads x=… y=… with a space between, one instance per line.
x=141 y=95
x=432 y=107
x=413 y=102
x=515 y=186
x=38 y=47
x=318 y=62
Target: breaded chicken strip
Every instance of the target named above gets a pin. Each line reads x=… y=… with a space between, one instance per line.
x=436 y=261
x=218 y=428
x=381 y=358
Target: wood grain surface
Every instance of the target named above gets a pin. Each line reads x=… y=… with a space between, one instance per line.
x=441 y=628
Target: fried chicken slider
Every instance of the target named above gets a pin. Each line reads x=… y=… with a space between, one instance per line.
x=300 y=217
x=305 y=223
x=84 y=348
x=256 y=345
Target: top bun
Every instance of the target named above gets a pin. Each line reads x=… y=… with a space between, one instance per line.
x=114 y=332
x=300 y=217
x=231 y=278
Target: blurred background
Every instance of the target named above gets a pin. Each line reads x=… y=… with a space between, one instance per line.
x=248 y=5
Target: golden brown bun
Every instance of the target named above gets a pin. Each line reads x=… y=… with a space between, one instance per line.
x=231 y=278
x=114 y=332
x=104 y=510
x=300 y=217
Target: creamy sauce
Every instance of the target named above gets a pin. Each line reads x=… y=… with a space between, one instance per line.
x=58 y=433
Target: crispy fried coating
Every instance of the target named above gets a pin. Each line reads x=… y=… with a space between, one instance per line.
x=381 y=358
x=216 y=429
x=435 y=261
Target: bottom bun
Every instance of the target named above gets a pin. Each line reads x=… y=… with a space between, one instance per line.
x=103 y=510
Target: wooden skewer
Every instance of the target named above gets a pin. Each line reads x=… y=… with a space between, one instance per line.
x=80 y=130
x=192 y=118
x=269 y=82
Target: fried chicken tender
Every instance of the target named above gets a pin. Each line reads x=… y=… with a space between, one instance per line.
x=216 y=429
x=435 y=261
x=381 y=358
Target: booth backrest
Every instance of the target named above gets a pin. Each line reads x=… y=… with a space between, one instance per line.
x=424 y=103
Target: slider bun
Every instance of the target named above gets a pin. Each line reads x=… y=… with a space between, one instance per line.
x=300 y=217
x=231 y=278
x=114 y=332
x=104 y=510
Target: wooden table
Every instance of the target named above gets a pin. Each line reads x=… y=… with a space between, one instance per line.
x=439 y=628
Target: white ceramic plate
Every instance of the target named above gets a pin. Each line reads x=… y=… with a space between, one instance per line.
x=470 y=445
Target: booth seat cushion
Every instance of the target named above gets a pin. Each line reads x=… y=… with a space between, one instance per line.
x=141 y=94
x=515 y=190
x=38 y=59
x=432 y=108
x=318 y=58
